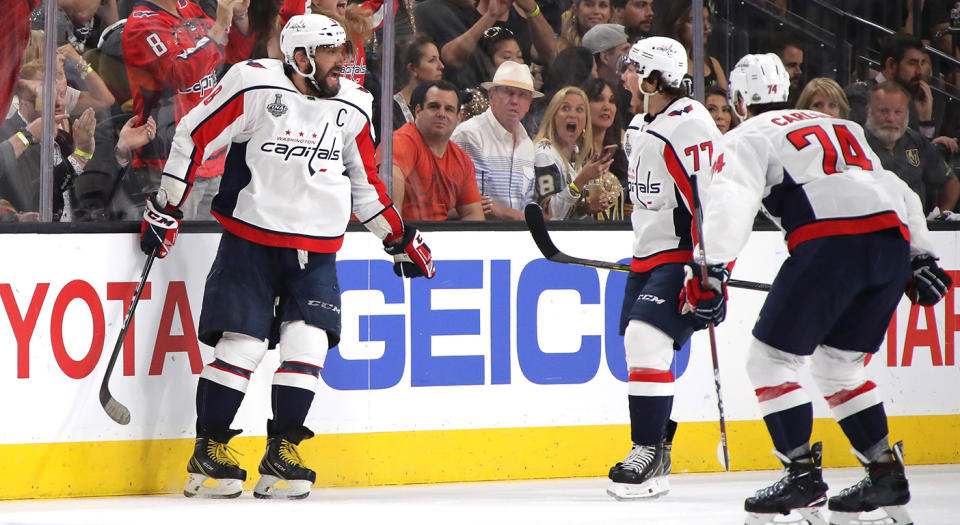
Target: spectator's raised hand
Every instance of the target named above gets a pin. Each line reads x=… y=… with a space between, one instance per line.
x=36 y=127
x=527 y=6
x=499 y=8
x=133 y=137
x=67 y=51
x=948 y=143
x=83 y=129
x=923 y=101
x=598 y=164
x=241 y=7
x=226 y=9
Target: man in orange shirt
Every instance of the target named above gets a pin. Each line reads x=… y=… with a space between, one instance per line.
x=433 y=178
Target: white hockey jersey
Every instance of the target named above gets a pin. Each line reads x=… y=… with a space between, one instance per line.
x=295 y=163
x=814 y=175
x=664 y=152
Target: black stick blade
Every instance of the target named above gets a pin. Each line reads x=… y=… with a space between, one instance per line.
x=113 y=408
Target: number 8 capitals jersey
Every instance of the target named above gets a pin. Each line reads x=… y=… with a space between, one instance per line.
x=665 y=151
x=295 y=163
x=814 y=175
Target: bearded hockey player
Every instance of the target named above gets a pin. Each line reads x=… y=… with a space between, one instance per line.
x=300 y=161
x=857 y=238
x=667 y=147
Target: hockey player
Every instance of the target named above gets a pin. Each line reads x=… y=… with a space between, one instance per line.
x=856 y=236
x=667 y=147
x=300 y=153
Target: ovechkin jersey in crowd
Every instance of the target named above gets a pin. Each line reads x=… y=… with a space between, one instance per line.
x=295 y=163
x=814 y=175
x=663 y=152
x=171 y=66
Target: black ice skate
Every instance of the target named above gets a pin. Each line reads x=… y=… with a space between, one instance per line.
x=671 y=430
x=801 y=489
x=282 y=472
x=643 y=474
x=213 y=460
x=884 y=488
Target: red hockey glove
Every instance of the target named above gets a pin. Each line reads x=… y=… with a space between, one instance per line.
x=929 y=282
x=411 y=256
x=161 y=223
x=709 y=305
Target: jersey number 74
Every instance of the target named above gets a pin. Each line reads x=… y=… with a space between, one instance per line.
x=850 y=148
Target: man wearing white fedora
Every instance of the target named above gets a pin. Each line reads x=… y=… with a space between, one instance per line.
x=500 y=148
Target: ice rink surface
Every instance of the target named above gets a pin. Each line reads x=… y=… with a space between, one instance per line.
x=694 y=499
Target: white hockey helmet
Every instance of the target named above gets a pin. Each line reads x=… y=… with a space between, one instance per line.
x=659 y=53
x=758 y=79
x=309 y=32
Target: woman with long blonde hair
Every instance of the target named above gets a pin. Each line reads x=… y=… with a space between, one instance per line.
x=565 y=160
x=826 y=96
x=580 y=18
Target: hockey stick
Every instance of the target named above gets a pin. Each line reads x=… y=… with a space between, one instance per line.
x=538 y=229
x=698 y=224
x=114 y=408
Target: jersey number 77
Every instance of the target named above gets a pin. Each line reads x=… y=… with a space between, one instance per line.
x=850 y=148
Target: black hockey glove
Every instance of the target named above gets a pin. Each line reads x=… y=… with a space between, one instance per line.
x=161 y=223
x=709 y=305
x=929 y=282
x=411 y=256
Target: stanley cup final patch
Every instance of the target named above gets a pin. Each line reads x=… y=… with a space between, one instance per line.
x=913 y=157
x=277 y=107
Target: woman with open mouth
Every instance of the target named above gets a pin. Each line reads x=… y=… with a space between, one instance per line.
x=565 y=160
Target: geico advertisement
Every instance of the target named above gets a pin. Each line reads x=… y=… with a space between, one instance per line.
x=499 y=338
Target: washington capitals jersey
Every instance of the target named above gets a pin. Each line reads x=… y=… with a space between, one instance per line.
x=170 y=61
x=814 y=175
x=295 y=163
x=666 y=153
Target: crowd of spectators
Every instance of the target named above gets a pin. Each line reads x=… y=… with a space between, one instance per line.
x=496 y=103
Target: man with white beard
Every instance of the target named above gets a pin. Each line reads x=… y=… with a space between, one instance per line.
x=906 y=152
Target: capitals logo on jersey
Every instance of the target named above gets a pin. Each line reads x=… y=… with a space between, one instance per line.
x=300 y=144
x=643 y=191
x=202 y=86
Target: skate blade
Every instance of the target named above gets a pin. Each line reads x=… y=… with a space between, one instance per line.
x=803 y=516
x=272 y=487
x=219 y=488
x=652 y=488
x=894 y=515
